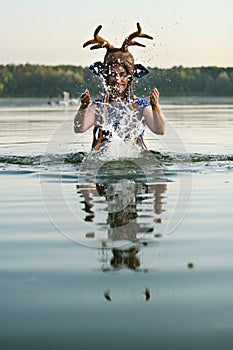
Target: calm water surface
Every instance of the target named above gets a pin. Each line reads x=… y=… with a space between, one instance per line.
x=116 y=254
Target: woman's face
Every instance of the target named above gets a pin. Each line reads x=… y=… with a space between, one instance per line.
x=117 y=80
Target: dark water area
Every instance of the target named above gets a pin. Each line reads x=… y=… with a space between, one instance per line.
x=127 y=252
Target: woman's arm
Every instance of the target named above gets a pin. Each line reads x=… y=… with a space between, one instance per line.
x=85 y=116
x=153 y=115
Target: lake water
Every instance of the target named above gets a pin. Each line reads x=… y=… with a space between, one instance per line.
x=119 y=251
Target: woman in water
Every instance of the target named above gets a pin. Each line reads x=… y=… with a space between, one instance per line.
x=118 y=71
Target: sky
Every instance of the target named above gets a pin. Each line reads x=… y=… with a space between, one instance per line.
x=52 y=32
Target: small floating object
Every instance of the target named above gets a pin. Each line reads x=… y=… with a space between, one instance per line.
x=190 y=265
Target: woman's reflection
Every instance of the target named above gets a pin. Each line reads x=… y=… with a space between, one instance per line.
x=131 y=206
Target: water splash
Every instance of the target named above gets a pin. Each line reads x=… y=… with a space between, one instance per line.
x=117 y=150
x=122 y=119
x=122 y=124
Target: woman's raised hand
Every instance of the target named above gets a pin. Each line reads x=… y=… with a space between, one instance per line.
x=85 y=99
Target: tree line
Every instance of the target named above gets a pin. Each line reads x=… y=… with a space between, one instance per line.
x=42 y=81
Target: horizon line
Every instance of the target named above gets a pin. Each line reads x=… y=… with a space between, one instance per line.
x=87 y=66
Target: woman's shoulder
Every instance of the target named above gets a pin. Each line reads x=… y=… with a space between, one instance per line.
x=142 y=102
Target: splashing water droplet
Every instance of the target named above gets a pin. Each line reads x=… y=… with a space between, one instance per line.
x=123 y=125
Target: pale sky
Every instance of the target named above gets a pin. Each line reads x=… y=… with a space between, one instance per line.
x=188 y=33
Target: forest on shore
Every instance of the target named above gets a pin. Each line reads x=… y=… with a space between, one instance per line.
x=34 y=80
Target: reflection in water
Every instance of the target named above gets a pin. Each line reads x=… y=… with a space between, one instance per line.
x=125 y=258
x=107 y=295
x=126 y=207
x=147 y=294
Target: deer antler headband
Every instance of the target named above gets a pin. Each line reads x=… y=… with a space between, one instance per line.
x=121 y=54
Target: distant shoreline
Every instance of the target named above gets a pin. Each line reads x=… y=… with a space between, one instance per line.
x=34 y=80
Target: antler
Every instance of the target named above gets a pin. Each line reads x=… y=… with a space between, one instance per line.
x=129 y=40
x=100 y=42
